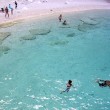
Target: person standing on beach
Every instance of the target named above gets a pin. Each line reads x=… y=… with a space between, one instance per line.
x=16 y=4
x=60 y=17
x=10 y=7
x=6 y=12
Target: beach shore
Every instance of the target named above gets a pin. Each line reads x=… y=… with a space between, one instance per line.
x=38 y=8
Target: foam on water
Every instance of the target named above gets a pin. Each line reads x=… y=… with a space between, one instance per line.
x=34 y=71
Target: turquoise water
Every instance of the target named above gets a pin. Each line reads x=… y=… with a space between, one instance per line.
x=34 y=72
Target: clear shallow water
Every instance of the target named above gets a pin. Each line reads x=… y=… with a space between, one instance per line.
x=34 y=72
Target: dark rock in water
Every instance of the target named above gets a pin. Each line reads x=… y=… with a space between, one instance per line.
x=4 y=49
x=90 y=21
x=28 y=37
x=84 y=27
x=71 y=35
x=9 y=24
x=59 y=42
x=4 y=35
x=104 y=68
x=5 y=25
x=40 y=31
x=87 y=24
x=66 y=26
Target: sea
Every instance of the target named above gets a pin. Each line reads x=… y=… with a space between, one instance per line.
x=40 y=55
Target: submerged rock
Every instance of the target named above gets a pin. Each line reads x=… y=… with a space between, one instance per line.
x=90 y=21
x=39 y=31
x=85 y=26
x=59 y=42
x=71 y=35
x=66 y=26
x=4 y=35
x=4 y=49
x=9 y=24
x=28 y=37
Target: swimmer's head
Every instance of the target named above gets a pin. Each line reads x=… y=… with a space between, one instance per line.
x=69 y=81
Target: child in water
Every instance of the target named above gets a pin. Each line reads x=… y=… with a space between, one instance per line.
x=69 y=85
x=64 y=22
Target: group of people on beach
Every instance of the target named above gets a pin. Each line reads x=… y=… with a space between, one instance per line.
x=7 y=8
x=61 y=18
x=102 y=83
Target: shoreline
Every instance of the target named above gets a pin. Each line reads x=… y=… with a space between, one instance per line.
x=48 y=14
x=39 y=9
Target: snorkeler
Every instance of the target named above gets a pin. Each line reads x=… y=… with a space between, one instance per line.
x=103 y=83
x=69 y=85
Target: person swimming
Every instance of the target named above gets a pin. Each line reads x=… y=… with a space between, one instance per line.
x=64 y=22
x=6 y=12
x=103 y=83
x=69 y=85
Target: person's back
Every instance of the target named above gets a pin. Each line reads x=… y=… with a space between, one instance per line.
x=108 y=83
x=6 y=9
x=69 y=84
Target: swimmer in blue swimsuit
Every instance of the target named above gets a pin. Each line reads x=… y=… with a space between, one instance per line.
x=69 y=84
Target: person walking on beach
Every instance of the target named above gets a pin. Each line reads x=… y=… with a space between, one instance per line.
x=6 y=12
x=16 y=4
x=10 y=7
x=60 y=17
x=2 y=10
x=69 y=85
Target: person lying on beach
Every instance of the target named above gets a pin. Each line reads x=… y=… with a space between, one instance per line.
x=69 y=85
x=103 y=83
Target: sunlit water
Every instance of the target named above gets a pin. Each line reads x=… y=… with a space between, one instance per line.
x=34 y=72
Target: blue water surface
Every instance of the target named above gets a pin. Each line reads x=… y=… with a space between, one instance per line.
x=34 y=71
